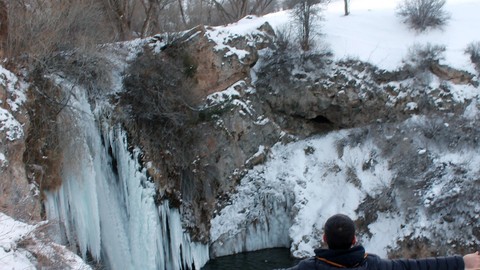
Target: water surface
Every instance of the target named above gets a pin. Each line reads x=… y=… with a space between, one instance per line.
x=266 y=259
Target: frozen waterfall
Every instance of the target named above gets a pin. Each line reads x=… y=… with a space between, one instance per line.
x=259 y=217
x=106 y=204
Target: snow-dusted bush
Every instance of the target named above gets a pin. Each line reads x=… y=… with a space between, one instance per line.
x=283 y=38
x=423 y=14
x=473 y=49
x=154 y=87
x=420 y=57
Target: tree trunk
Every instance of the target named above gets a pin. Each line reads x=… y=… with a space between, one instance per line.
x=306 y=27
x=3 y=27
x=347 y=9
x=146 y=27
x=182 y=13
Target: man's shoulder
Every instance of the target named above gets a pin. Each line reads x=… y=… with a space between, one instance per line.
x=370 y=262
x=308 y=263
x=305 y=264
x=371 y=256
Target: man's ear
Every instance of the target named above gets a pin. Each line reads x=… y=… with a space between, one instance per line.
x=354 y=241
x=324 y=238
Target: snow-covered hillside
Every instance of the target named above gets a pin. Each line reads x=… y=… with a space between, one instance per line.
x=373 y=33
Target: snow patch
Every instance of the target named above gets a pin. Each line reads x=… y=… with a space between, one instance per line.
x=15 y=90
x=12 y=232
x=8 y=124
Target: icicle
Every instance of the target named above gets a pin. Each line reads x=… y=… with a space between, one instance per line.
x=185 y=253
x=106 y=204
x=256 y=220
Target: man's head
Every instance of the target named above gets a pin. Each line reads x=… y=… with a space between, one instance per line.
x=339 y=232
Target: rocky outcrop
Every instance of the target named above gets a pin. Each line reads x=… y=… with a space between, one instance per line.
x=238 y=119
x=350 y=93
x=18 y=197
x=218 y=59
x=455 y=76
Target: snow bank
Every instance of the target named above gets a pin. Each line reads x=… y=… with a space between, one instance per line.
x=12 y=232
x=12 y=256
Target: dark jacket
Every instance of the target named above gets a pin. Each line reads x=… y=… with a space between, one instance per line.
x=355 y=258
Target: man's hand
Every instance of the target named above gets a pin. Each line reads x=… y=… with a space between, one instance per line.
x=472 y=261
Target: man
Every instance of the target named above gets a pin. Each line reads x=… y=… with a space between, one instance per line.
x=342 y=253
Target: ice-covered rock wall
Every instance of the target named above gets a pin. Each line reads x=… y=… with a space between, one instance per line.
x=106 y=203
x=402 y=183
x=258 y=217
x=307 y=181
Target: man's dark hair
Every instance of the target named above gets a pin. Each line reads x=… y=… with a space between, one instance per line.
x=339 y=232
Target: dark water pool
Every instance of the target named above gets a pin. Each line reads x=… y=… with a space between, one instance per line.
x=266 y=259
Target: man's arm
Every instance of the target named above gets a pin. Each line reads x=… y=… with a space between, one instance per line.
x=437 y=263
x=472 y=261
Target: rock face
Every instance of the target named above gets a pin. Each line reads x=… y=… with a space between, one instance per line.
x=18 y=197
x=3 y=26
x=218 y=67
x=292 y=96
x=349 y=94
x=228 y=133
x=450 y=74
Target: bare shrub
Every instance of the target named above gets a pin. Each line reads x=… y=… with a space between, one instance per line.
x=138 y=18
x=423 y=14
x=283 y=38
x=155 y=90
x=43 y=135
x=306 y=14
x=233 y=10
x=432 y=127
x=58 y=37
x=157 y=99
x=157 y=93
x=473 y=49
x=421 y=57
x=54 y=37
x=43 y=28
x=88 y=68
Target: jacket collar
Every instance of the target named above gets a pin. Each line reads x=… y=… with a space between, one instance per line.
x=343 y=258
